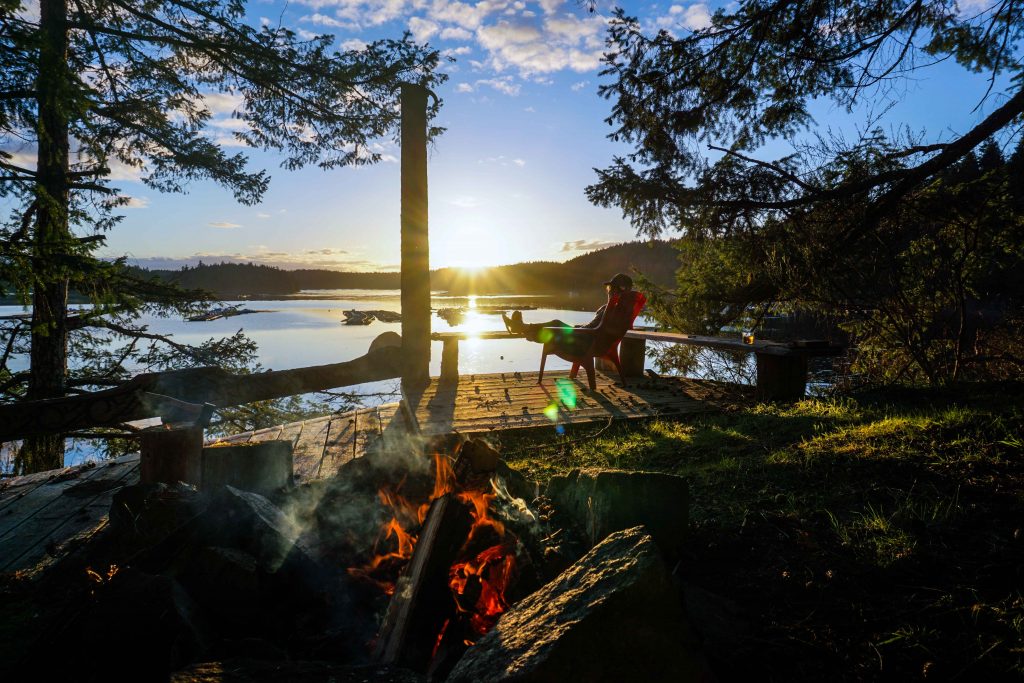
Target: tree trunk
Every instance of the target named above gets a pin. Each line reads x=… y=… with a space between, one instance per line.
x=52 y=235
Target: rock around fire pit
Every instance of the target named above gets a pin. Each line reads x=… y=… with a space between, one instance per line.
x=417 y=561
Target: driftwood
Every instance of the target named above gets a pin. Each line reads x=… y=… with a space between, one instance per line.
x=177 y=396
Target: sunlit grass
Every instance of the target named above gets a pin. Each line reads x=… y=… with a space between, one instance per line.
x=886 y=527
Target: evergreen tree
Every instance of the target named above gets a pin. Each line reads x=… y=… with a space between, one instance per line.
x=86 y=85
x=887 y=235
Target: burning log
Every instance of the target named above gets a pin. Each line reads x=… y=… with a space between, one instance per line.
x=453 y=589
x=422 y=603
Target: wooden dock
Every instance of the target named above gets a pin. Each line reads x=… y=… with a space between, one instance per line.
x=45 y=516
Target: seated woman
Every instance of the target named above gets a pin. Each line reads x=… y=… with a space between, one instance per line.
x=610 y=322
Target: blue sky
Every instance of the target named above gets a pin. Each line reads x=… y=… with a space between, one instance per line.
x=525 y=129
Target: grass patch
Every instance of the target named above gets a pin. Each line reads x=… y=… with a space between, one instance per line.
x=869 y=536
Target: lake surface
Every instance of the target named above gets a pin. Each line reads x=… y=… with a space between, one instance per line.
x=307 y=330
x=300 y=332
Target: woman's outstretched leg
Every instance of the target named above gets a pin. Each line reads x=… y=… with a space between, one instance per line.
x=532 y=331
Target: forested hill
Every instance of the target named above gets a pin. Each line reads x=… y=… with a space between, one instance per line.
x=225 y=279
x=581 y=275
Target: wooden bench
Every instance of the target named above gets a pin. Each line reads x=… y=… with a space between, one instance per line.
x=781 y=367
x=450 y=349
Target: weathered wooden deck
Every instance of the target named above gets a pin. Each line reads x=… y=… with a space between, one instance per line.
x=45 y=516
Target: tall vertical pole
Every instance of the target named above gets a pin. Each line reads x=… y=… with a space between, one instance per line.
x=415 y=243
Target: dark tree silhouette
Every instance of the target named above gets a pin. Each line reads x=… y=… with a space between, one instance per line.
x=911 y=244
x=88 y=85
x=751 y=76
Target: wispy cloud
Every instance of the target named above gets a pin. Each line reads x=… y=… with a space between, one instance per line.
x=576 y=87
x=353 y=44
x=692 y=18
x=586 y=245
x=224 y=225
x=503 y=85
x=502 y=160
x=555 y=43
x=222 y=102
x=456 y=52
x=531 y=38
x=423 y=29
x=455 y=33
x=325 y=20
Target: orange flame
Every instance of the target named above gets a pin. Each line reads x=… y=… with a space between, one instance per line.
x=492 y=569
x=487 y=574
x=407 y=516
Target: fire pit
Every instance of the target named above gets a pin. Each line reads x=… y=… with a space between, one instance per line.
x=430 y=558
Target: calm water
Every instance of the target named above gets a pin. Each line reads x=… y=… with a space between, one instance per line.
x=299 y=332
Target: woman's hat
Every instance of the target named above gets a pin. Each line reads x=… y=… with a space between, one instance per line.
x=621 y=280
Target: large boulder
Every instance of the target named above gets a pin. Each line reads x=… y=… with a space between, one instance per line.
x=613 y=616
x=250 y=522
x=607 y=501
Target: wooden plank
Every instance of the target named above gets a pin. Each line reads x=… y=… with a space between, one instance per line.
x=737 y=345
x=308 y=452
x=339 y=446
x=267 y=434
x=16 y=488
x=494 y=401
x=241 y=437
x=370 y=429
x=291 y=432
x=40 y=497
x=517 y=402
x=78 y=506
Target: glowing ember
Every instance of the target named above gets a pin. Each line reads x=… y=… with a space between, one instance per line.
x=490 y=572
x=478 y=580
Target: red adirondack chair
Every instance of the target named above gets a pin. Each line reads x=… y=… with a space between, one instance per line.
x=580 y=346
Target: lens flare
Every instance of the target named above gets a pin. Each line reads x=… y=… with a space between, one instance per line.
x=551 y=412
x=566 y=393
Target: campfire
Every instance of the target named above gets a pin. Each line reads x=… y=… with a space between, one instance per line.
x=429 y=562
x=454 y=558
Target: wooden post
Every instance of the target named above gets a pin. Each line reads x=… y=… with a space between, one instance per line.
x=171 y=455
x=781 y=378
x=450 y=360
x=415 y=242
x=632 y=354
